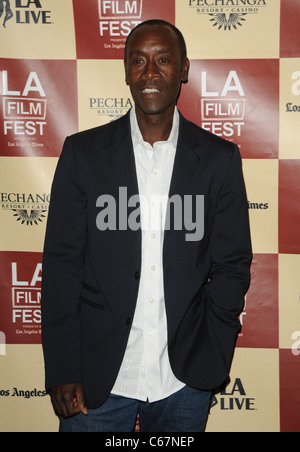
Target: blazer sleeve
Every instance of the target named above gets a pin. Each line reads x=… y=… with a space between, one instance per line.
x=231 y=254
x=63 y=267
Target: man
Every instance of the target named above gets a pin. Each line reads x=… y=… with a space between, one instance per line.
x=139 y=314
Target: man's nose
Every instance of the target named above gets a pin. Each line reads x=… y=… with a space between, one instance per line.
x=151 y=70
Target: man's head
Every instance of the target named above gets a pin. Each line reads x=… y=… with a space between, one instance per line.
x=160 y=23
x=156 y=64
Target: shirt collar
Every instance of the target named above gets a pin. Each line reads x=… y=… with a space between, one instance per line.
x=136 y=134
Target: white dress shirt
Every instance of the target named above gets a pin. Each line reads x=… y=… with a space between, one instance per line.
x=146 y=372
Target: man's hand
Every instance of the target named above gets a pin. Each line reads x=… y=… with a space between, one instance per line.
x=68 y=400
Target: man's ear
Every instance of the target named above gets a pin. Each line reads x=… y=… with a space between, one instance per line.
x=185 y=70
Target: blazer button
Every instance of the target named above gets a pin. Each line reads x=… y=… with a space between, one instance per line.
x=128 y=321
x=137 y=275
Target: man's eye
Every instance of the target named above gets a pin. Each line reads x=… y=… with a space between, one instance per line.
x=137 y=61
x=164 y=60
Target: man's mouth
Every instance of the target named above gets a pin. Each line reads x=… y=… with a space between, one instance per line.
x=150 y=91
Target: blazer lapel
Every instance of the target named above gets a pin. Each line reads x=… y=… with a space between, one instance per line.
x=186 y=161
x=122 y=159
x=123 y=162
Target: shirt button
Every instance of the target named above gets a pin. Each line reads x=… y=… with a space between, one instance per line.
x=153 y=236
x=153 y=268
x=154 y=172
x=150 y=332
x=151 y=300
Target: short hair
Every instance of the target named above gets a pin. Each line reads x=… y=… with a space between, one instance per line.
x=152 y=22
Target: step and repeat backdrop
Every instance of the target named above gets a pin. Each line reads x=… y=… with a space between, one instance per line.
x=61 y=71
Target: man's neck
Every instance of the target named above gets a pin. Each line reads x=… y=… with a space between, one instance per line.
x=157 y=127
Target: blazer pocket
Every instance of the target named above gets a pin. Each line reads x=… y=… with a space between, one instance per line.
x=92 y=299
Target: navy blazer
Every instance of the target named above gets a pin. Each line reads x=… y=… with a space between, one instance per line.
x=91 y=277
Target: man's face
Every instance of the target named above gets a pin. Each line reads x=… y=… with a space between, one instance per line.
x=154 y=69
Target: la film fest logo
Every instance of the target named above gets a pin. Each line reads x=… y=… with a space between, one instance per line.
x=26 y=299
x=222 y=115
x=117 y=18
x=27 y=209
x=227 y=15
x=24 y=12
x=24 y=110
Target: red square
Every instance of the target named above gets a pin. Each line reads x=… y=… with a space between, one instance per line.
x=38 y=106
x=289 y=206
x=102 y=26
x=289 y=391
x=20 y=307
x=237 y=100
x=290 y=29
x=259 y=320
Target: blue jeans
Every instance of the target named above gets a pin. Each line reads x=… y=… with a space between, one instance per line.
x=185 y=411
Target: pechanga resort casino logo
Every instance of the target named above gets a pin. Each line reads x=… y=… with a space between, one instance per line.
x=227 y=15
x=112 y=108
x=27 y=209
x=24 y=12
